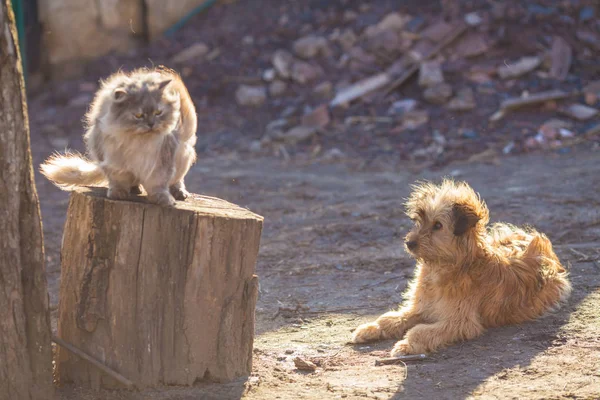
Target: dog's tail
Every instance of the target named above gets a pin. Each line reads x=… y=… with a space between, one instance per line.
x=552 y=271
x=71 y=170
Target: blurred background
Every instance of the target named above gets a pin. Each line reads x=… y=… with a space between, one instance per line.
x=318 y=115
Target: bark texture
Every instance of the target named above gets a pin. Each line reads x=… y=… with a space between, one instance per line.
x=25 y=346
x=164 y=296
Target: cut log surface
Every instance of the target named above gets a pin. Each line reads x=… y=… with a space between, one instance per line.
x=164 y=296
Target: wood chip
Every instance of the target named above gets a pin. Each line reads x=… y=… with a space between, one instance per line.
x=562 y=56
x=360 y=89
x=399 y=359
x=304 y=365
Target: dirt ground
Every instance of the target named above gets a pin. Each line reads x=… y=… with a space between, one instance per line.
x=331 y=258
x=331 y=254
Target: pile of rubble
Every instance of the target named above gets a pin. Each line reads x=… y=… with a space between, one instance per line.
x=374 y=65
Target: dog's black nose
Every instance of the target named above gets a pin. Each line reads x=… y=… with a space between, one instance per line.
x=411 y=244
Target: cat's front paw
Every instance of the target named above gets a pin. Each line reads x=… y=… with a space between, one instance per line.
x=162 y=199
x=179 y=193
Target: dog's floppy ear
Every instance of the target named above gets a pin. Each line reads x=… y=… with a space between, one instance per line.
x=464 y=218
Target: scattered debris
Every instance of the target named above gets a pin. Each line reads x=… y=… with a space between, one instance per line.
x=347 y=39
x=589 y=38
x=269 y=75
x=297 y=134
x=319 y=117
x=463 y=101
x=473 y=19
x=310 y=46
x=304 y=365
x=303 y=72
x=324 y=89
x=438 y=94
x=360 y=88
x=579 y=112
x=521 y=67
x=283 y=61
x=472 y=45
x=430 y=74
x=402 y=106
x=400 y=359
x=414 y=119
x=561 y=55
x=277 y=88
x=196 y=51
x=520 y=102
x=253 y=96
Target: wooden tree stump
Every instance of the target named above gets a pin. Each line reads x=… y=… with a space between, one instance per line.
x=164 y=296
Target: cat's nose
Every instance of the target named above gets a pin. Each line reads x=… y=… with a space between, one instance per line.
x=151 y=124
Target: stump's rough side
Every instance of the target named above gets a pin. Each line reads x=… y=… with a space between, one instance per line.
x=161 y=295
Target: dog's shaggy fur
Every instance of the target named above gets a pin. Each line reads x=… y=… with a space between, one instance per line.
x=468 y=277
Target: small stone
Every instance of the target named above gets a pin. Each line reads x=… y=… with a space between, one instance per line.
x=414 y=119
x=303 y=72
x=324 y=89
x=438 y=94
x=473 y=19
x=196 y=51
x=580 y=112
x=310 y=46
x=283 y=61
x=253 y=96
x=464 y=100
x=521 y=67
x=393 y=21
x=468 y=134
x=472 y=46
x=402 y=106
x=591 y=99
x=319 y=117
x=289 y=351
x=255 y=146
x=430 y=74
x=277 y=88
x=347 y=39
x=269 y=75
x=248 y=40
x=304 y=365
x=334 y=154
x=276 y=128
x=350 y=15
x=298 y=134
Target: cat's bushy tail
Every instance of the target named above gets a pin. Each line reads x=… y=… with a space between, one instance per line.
x=70 y=170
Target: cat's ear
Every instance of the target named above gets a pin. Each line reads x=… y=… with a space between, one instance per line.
x=119 y=95
x=164 y=84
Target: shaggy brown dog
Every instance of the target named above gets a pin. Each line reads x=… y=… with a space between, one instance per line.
x=468 y=277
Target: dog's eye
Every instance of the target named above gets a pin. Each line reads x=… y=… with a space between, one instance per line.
x=437 y=226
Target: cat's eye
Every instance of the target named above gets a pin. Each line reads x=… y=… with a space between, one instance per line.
x=437 y=226
x=157 y=112
x=138 y=115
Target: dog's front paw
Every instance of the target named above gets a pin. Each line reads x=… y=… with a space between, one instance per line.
x=366 y=333
x=179 y=193
x=402 y=348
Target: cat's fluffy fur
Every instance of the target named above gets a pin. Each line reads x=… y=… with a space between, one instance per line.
x=141 y=130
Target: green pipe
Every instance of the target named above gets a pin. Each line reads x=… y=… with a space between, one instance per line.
x=20 y=21
x=171 y=31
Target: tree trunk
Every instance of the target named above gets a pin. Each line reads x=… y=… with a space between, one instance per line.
x=25 y=347
x=163 y=296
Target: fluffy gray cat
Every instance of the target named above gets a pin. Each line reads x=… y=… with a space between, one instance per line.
x=141 y=130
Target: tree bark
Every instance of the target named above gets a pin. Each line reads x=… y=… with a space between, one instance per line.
x=163 y=296
x=25 y=346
